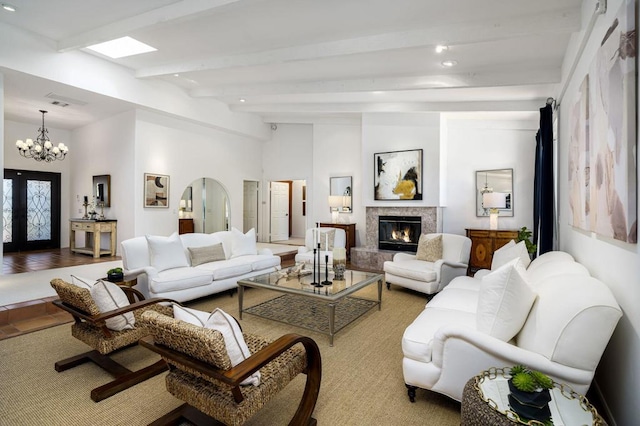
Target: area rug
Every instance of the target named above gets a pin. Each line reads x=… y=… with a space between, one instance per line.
x=309 y=313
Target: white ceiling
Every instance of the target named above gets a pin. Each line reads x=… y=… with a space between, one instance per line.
x=295 y=59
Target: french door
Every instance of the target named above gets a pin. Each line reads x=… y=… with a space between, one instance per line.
x=31 y=210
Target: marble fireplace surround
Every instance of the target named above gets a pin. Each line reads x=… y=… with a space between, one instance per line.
x=369 y=256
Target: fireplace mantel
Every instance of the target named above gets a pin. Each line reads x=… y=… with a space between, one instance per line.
x=368 y=256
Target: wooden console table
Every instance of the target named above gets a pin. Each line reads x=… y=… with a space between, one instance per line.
x=95 y=227
x=483 y=243
x=349 y=229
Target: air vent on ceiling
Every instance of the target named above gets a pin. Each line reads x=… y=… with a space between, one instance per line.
x=64 y=99
x=60 y=104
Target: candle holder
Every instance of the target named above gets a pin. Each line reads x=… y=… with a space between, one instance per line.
x=314 y=282
x=326 y=271
x=86 y=215
x=101 y=204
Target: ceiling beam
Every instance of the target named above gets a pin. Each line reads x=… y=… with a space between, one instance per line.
x=179 y=10
x=468 y=33
x=529 y=73
x=520 y=105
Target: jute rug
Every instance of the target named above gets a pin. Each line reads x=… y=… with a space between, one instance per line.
x=312 y=314
x=361 y=374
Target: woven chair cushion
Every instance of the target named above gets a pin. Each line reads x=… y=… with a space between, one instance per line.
x=78 y=297
x=204 y=344
x=217 y=401
x=94 y=336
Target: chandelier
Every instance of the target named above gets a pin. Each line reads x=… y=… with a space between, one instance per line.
x=42 y=149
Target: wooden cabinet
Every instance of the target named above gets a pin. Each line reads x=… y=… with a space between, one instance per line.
x=95 y=227
x=350 y=230
x=185 y=226
x=483 y=243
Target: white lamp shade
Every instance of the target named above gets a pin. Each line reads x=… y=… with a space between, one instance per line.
x=494 y=200
x=335 y=201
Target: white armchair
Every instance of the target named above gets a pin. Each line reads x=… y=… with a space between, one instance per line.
x=305 y=253
x=430 y=277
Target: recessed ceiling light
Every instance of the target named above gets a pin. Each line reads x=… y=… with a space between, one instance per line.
x=441 y=48
x=176 y=75
x=121 y=47
x=242 y=100
x=8 y=7
x=449 y=63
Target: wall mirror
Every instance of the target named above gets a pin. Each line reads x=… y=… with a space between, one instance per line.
x=341 y=186
x=494 y=181
x=102 y=189
x=210 y=208
x=186 y=201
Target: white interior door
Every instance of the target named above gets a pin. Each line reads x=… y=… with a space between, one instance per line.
x=250 y=206
x=279 y=211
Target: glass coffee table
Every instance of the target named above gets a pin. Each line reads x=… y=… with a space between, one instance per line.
x=322 y=308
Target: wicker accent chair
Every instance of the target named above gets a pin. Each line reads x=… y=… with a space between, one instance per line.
x=89 y=327
x=201 y=374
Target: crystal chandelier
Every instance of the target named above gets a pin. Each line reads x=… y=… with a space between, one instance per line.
x=42 y=149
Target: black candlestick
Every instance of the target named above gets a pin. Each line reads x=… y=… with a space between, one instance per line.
x=326 y=271
x=315 y=283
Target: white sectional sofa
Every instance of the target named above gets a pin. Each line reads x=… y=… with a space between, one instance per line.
x=189 y=266
x=554 y=317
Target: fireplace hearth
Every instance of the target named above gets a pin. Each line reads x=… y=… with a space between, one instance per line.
x=399 y=233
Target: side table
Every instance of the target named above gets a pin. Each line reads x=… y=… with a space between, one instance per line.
x=484 y=402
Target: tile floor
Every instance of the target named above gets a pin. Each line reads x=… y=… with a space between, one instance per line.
x=35 y=315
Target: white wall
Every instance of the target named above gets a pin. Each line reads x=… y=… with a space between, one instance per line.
x=337 y=151
x=187 y=151
x=287 y=156
x=105 y=147
x=475 y=142
x=383 y=132
x=616 y=264
x=13 y=160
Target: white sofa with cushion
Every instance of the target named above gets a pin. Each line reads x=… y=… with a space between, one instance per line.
x=552 y=317
x=333 y=237
x=188 y=266
x=431 y=271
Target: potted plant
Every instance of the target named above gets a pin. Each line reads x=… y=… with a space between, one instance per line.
x=529 y=393
x=525 y=235
x=115 y=275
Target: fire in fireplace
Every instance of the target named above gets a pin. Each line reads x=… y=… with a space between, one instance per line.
x=400 y=233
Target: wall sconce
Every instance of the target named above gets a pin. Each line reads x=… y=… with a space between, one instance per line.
x=335 y=203
x=494 y=201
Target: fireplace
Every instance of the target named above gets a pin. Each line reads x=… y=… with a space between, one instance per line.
x=400 y=233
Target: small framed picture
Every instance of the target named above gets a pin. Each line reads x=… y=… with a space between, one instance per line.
x=156 y=190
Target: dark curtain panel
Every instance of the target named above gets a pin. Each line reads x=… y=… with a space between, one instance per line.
x=543 y=197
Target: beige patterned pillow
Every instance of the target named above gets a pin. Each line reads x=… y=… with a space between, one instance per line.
x=429 y=249
x=206 y=254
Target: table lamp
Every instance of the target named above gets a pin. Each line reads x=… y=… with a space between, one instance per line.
x=335 y=203
x=494 y=201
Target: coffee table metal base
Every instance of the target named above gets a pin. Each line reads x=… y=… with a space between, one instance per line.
x=331 y=310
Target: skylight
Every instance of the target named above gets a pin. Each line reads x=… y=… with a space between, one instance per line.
x=121 y=47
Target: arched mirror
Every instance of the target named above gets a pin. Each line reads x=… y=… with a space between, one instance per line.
x=206 y=202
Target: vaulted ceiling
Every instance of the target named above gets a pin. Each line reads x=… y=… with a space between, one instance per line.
x=289 y=60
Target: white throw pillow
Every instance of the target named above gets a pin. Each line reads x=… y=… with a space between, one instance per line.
x=243 y=244
x=504 y=302
x=166 y=252
x=508 y=252
x=87 y=283
x=192 y=316
x=108 y=297
x=237 y=348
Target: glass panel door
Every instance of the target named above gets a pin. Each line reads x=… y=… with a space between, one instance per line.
x=31 y=210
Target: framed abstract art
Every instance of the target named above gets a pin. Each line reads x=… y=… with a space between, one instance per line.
x=398 y=175
x=156 y=190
